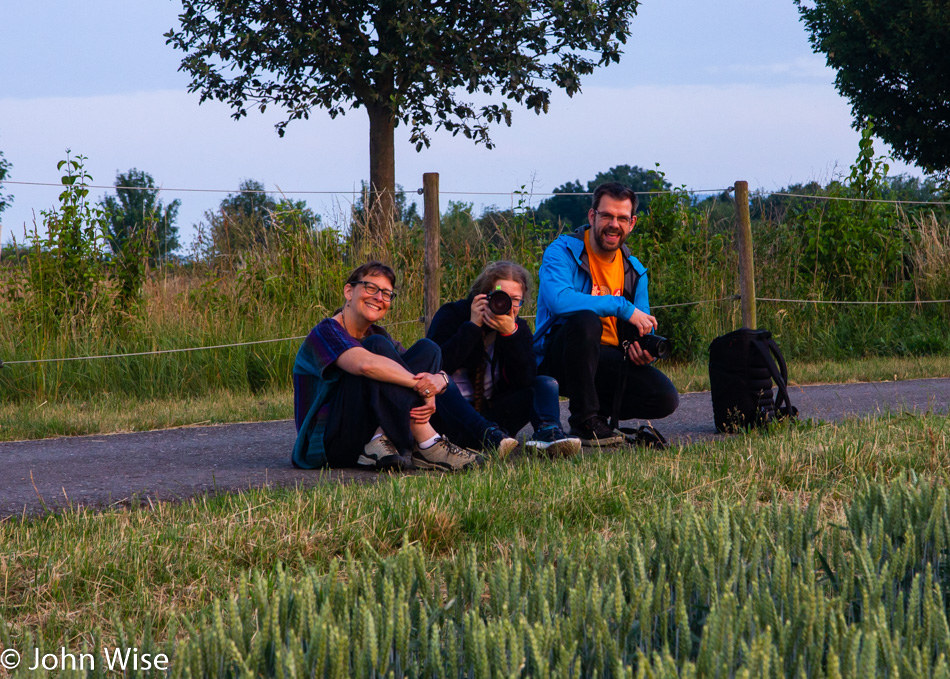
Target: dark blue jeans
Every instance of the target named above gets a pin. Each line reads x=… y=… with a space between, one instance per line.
x=458 y=419
x=361 y=405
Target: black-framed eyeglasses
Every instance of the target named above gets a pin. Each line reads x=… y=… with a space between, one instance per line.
x=622 y=220
x=371 y=290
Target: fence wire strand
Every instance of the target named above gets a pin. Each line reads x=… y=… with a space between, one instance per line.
x=860 y=200
x=838 y=301
x=735 y=297
x=178 y=351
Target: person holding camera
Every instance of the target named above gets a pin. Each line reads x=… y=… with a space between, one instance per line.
x=495 y=390
x=594 y=321
x=360 y=398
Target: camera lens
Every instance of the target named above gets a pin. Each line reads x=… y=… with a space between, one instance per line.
x=659 y=347
x=499 y=303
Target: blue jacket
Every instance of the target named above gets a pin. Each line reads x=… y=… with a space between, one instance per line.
x=565 y=284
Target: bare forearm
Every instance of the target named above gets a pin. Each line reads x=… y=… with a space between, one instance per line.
x=385 y=369
x=359 y=361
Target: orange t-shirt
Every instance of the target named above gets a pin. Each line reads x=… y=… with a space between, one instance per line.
x=607 y=280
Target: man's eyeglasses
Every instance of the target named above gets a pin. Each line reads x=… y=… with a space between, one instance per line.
x=622 y=220
x=371 y=290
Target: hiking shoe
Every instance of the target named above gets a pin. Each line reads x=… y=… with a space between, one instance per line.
x=552 y=441
x=380 y=453
x=498 y=441
x=594 y=431
x=444 y=456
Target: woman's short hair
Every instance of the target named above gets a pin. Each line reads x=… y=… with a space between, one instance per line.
x=500 y=271
x=373 y=268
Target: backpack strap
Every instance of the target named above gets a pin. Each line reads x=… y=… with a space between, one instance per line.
x=775 y=362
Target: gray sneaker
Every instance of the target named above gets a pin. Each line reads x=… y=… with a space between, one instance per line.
x=380 y=453
x=445 y=456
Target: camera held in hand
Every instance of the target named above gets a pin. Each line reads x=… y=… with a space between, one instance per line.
x=657 y=345
x=499 y=302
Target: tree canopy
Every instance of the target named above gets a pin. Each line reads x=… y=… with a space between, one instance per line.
x=572 y=209
x=136 y=208
x=406 y=62
x=893 y=64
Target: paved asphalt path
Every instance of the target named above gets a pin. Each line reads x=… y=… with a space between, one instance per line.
x=99 y=471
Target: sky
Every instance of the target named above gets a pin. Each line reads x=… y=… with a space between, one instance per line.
x=712 y=91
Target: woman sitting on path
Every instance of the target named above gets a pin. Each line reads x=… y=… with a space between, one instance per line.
x=489 y=354
x=360 y=399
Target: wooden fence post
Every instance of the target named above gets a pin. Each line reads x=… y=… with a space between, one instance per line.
x=746 y=265
x=432 y=265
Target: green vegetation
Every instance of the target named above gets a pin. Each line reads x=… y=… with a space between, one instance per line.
x=748 y=543
x=5 y=167
x=891 y=63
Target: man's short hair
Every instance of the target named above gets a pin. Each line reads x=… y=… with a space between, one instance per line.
x=617 y=191
x=373 y=268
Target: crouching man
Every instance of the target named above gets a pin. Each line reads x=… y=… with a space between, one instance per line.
x=593 y=303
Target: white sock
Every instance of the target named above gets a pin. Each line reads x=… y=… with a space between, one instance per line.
x=428 y=443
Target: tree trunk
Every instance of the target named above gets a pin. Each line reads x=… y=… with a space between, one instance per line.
x=381 y=206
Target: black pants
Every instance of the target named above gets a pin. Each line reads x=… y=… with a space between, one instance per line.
x=588 y=372
x=362 y=405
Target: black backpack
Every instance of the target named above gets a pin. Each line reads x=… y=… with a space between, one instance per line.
x=742 y=366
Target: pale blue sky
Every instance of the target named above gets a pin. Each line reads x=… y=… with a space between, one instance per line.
x=713 y=91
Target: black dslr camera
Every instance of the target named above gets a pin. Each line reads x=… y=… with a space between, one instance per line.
x=499 y=302
x=657 y=345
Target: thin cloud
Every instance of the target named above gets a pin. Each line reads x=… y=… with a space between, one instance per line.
x=810 y=67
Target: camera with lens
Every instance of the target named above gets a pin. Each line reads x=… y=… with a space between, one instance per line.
x=499 y=302
x=657 y=345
